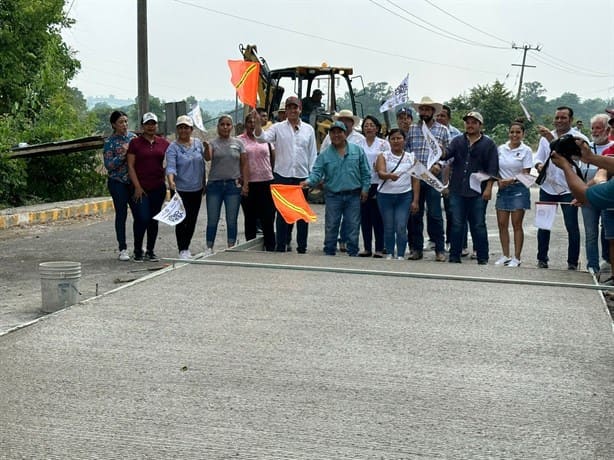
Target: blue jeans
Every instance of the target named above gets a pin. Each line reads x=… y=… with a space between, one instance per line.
x=121 y=194
x=143 y=212
x=394 y=208
x=570 y=218
x=472 y=209
x=344 y=205
x=591 y=217
x=432 y=199
x=283 y=230
x=218 y=192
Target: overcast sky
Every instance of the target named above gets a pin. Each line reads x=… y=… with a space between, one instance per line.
x=191 y=40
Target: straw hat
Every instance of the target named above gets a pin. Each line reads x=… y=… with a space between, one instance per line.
x=430 y=102
x=346 y=113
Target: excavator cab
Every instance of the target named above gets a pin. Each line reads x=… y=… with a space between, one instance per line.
x=335 y=84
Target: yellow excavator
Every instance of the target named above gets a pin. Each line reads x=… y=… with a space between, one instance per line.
x=301 y=81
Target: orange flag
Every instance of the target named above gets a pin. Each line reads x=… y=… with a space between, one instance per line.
x=291 y=204
x=244 y=77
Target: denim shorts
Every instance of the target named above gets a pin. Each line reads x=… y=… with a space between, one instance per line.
x=513 y=197
x=607 y=220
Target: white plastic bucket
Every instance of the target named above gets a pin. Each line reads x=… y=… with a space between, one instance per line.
x=59 y=284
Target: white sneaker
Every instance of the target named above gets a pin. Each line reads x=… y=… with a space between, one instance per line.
x=400 y=258
x=503 y=260
x=123 y=255
x=208 y=252
x=389 y=257
x=185 y=254
x=514 y=262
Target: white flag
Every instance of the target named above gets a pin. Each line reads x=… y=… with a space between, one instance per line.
x=476 y=179
x=525 y=179
x=399 y=97
x=419 y=170
x=526 y=112
x=545 y=212
x=432 y=145
x=173 y=213
x=197 y=117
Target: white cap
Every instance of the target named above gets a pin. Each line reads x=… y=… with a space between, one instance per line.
x=149 y=116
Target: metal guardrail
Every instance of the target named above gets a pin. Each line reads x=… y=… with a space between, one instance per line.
x=58 y=148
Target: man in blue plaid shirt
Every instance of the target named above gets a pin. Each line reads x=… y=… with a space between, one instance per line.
x=429 y=197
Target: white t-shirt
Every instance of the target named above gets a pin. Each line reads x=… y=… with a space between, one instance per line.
x=403 y=183
x=379 y=146
x=513 y=161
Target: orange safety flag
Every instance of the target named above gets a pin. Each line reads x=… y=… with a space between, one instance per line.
x=244 y=77
x=291 y=204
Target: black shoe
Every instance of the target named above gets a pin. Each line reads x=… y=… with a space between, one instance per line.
x=301 y=250
x=137 y=257
x=483 y=262
x=454 y=261
x=151 y=256
x=572 y=267
x=542 y=264
x=365 y=254
x=415 y=255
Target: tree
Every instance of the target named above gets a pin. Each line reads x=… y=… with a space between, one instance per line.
x=368 y=100
x=34 y=60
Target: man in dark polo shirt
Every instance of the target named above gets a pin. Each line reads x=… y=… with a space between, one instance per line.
x=472 y=152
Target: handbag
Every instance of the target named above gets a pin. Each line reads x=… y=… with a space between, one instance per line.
x=393 y=170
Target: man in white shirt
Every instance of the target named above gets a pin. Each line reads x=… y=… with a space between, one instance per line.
x=554 y=189
x=295 y=154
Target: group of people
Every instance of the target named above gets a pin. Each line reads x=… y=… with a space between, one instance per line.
x=369 y=182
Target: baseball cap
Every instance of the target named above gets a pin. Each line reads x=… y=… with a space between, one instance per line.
x=338 y=124
x=317 y=92
x=185 y=120
x=405 y=110
x=149 y=116
x=293 y=100
x=477 y=115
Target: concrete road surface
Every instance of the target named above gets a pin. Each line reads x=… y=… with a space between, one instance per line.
x=257 y=355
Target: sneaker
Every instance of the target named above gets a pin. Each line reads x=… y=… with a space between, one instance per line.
x=440 y=257
x=572 y=267
x=185 y=254
x=415 y=255
x=474 y=255
x=465 y=252
x=364 y=254
x=151 y=256
x=137 y=257
x=482 y=262
x=400 y=258
x=377 y=255
x=513 y=262
x=389 y=257
x=503 y=260
x=542 y=264
x=123 y=255
x=208 y=252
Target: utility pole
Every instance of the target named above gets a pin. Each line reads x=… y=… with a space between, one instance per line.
x=523 y=65
x=143 y=66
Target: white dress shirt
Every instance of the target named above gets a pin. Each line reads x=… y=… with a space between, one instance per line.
x=295 y=148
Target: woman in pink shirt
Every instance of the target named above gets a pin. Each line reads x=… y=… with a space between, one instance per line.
x=258 y=203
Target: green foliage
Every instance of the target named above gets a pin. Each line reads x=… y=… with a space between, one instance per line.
x=496 y=104
x=34 y=61
x=64 y=177
x=13 y=175
x=368 y=100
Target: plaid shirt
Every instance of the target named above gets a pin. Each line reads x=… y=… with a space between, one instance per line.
x=416 y=143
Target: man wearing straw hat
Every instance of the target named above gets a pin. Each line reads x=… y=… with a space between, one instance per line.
x=427 y=139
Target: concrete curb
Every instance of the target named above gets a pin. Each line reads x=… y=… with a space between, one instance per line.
x=50 y=212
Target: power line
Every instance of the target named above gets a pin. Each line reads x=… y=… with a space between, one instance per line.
x=466 y=23
x=440 y=32
x=329 y=40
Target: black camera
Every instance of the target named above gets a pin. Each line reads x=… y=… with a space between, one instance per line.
x=566 y=147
